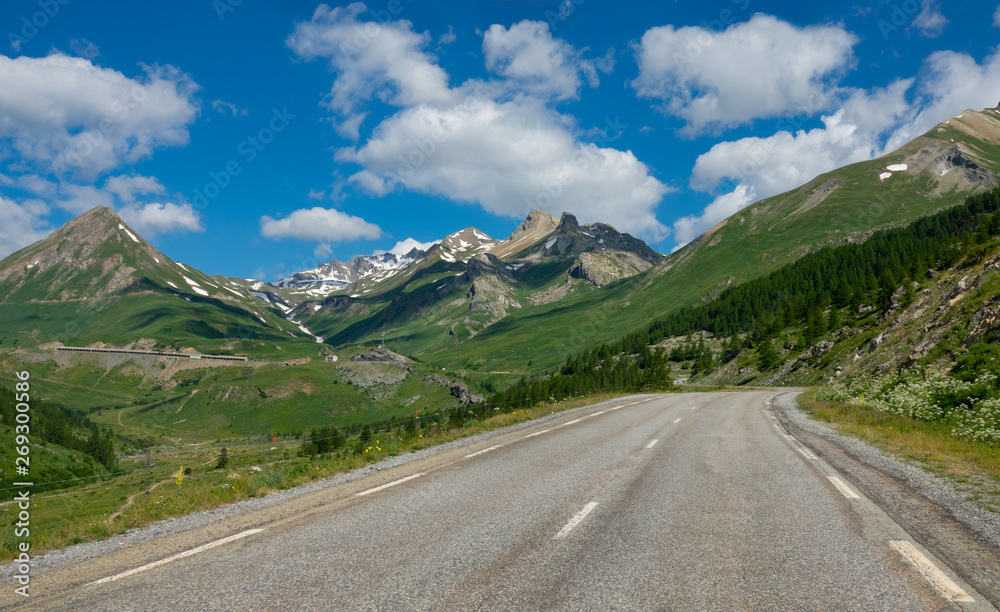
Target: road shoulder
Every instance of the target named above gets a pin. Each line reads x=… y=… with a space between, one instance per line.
x=961 y=534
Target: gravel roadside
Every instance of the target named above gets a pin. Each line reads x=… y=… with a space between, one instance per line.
x=939 y=490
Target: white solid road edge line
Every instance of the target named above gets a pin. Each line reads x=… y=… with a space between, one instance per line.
x=843 y=488
x=942 y=583
x=388 y=484
x=652 y=444
x=483 y=452
x=572 y=422
x=576 y=520
x=186 y=553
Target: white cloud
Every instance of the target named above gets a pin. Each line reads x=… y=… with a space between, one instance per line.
x=127 y=188
x=31 y=183
x=317 y=194
x=71 y=117
x=762 y=68
x=323 y=251
x=78 y=199
x=371 y=59
x=84 y=48
x=511 y=158
x=155 y=218
x=372 y=183
x=319 y=225
x=228 y=108
x=129 y=196
x=497 y=144
x=22 y=225
x=688 y=228
x=405 y=246
x=534 y=61
x=931 y=22
x=65 y=122
x=448 y=37
x=996 y=17
x=350 y=126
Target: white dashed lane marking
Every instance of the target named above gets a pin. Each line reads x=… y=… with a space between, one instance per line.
x=843 y=488
x=483 y=452
x=538 y=433
x=576 y=520
x=941 y=583
x=387 y=485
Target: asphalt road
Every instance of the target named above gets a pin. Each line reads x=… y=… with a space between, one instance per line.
x=676 y=502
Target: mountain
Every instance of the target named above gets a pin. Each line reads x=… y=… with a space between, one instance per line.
x=959 y=157
x=335 y=275
x=537 y=226
x=602 y=254
x=95 y=280
x=468 y=283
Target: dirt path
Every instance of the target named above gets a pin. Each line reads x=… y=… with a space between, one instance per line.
x=128 y=427
x=186 y=399
x=132 y=499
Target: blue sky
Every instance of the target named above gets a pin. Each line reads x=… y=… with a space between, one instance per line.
x=255 y=138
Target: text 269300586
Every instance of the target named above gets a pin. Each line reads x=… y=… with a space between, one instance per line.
x=22 y=465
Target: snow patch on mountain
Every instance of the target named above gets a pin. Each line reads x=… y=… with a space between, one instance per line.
x=335 y=275
x=130 y=234
x=405 y=246
x=304 y=329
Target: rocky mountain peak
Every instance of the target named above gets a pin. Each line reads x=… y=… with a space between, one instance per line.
x=537 y=222
x=568 y=224
x=78 y=239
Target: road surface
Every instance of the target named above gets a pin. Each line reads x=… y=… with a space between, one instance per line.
x=672 y=502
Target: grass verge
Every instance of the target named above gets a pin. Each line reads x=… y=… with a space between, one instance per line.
x=974 y=467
